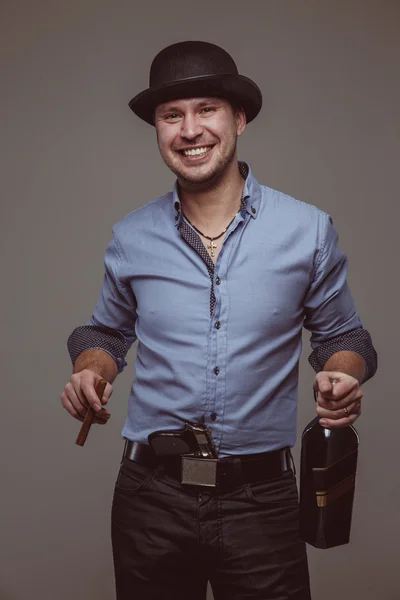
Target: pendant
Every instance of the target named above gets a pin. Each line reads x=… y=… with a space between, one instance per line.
x=212 y=245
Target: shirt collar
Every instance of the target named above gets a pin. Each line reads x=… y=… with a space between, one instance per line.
x=250 y=199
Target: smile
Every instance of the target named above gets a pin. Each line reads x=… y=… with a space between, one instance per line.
x=196 y=151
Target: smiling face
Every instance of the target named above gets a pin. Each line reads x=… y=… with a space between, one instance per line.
x=197 y=137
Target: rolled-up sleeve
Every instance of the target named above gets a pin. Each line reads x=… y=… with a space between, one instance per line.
x=112 y=325
x=329 y=311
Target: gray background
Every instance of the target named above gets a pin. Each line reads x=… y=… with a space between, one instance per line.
x=75 y=160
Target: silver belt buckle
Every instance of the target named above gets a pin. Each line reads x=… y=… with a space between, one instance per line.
x=199 y=471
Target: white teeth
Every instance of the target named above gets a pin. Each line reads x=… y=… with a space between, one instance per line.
x=196 y=151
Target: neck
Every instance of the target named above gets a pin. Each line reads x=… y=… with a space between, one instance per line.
x=211 y=208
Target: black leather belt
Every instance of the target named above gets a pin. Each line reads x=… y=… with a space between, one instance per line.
x=231 y=472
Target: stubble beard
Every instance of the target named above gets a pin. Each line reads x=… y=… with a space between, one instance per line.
x=192 y=177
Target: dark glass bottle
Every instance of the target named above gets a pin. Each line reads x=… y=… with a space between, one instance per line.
x=327 y=482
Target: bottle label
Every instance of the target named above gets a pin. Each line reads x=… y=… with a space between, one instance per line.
x=325 y=497
x=336 y=479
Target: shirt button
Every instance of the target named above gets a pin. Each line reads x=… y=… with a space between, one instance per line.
x=216 y=370
x=218 y=281
x=217 y=325
x=253 y=210
x=176 y=205
x=213 y=416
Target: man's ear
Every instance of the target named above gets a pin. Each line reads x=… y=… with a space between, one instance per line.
x=241 y=120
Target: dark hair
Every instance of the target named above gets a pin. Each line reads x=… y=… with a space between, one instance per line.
x=236 y=105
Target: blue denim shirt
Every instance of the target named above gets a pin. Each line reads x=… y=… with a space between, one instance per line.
x=236 y=369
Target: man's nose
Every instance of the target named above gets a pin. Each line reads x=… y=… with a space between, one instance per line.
x=191 y=127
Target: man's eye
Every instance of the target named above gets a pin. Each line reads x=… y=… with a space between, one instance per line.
x=208 y=109
x=171 y=117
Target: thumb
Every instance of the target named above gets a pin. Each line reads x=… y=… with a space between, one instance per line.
x=107 y=393
x=325 y=382
x=88 y=385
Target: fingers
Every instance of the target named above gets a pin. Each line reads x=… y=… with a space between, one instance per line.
x=342 y=417
x=324 y=383
x=76 y=399
x=107 y=394
x=80 y=393
x=338 y=423
x=67 y=404
x=338 y=399
x=336 y=390
x=339 y=413
x=354 y=395
x=334 y=385
x=84 y=384
x=77 y=410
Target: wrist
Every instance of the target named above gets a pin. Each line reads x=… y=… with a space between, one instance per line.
x=349 y=363
x=99 y=362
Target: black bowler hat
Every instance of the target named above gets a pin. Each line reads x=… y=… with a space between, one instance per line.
x=195 y=69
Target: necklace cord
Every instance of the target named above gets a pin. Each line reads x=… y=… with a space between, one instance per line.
x=216 y=237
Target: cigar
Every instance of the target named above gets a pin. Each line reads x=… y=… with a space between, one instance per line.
x=89 y=417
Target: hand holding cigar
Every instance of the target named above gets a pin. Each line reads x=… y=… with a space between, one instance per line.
x=90 y=414
x=85 y=398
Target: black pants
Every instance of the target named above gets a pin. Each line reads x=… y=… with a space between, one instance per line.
x=169 y=539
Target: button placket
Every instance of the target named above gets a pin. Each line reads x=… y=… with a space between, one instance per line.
x=214 y=368
x=223 y=300
x=217 y=403
x=219 y=309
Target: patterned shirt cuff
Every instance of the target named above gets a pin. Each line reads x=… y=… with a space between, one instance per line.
x=357 y=340
x=98 y=337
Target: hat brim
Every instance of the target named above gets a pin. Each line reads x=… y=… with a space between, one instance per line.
x=237 y=88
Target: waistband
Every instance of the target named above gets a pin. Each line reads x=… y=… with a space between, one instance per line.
x=233 y=471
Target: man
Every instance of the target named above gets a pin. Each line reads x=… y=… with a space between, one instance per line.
x=216 y=281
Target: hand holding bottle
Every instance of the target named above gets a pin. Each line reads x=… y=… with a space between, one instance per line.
x=338 y=398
